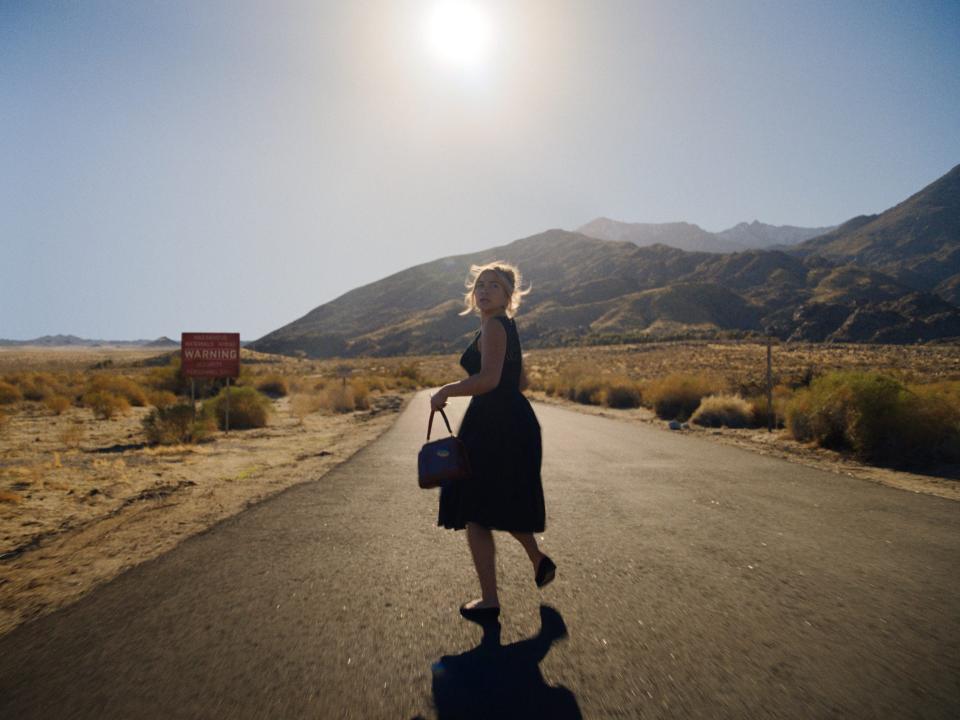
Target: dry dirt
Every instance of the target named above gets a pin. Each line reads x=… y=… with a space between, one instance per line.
x=73 y=519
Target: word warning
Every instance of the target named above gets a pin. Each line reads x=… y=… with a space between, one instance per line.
x=210 y=355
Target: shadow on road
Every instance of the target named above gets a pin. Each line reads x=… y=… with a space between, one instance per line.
x=496 y=681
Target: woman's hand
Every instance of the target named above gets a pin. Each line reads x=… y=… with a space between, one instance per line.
x=438 y=399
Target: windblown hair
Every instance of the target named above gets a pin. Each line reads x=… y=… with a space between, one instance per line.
x=510 y=278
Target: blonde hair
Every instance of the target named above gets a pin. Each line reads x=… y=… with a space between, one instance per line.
x=510 y=278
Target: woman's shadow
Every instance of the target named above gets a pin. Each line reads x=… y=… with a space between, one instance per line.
x=496 y=681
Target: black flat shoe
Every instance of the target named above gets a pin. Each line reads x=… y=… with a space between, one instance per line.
x=480 y=614
x=545 y=571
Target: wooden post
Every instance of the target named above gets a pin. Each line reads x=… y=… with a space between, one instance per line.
x=227 y=419
x=193 y=402
x=769 y=387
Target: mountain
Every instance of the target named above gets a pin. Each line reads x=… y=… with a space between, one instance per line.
x=680 y=235
x=917 y=242
x=596 y=291
x=74 y=341
x=758 y=235
x=693 y=238
x=162 y=342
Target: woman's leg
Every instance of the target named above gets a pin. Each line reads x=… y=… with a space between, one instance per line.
x=483 y=550
x=529 y=543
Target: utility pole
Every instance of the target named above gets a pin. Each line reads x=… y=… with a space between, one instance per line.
x=769 y=385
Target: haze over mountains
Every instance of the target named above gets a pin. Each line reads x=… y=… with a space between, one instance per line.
x=686 y=236
x=891 y=278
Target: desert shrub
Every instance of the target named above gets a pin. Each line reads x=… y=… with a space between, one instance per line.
x=876 y=417
x=587 y=391
x=176 y=424
x=161 y=398
x=169 y=378
x=564 y=383
x=248 y=408
x=338 y=398
x=377 y=382
x=676 y=396
x=758 y=403
x=273 y=386
x=730 y=411
x=121 y=386
x=361 y=394
x=9 y=393
x=57 y=404
x=105 y=405
x=410 y=371
x=623 y=393
x=35 y=386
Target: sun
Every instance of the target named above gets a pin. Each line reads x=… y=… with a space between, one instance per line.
x=459 y=33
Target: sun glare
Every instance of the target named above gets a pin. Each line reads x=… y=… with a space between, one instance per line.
x=459 y=33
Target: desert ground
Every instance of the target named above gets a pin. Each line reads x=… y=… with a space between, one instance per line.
x=83 y=498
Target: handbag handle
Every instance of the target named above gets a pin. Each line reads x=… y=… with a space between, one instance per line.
x=430 y=424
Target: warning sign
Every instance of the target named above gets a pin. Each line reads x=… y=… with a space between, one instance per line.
x=210 y=355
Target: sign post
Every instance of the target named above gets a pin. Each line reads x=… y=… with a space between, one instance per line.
x=210 y=355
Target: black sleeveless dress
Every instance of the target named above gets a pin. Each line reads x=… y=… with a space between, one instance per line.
x=502 y=437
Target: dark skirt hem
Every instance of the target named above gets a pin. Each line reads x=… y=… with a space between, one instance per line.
x=541 y=528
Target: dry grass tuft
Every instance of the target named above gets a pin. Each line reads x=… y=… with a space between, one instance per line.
x=57 y=404
x=9 y=393
x=677 y=396
x=176 y=425
x=120 y=386
x=337 y=398
x=730 y=411
x=161 y=399
x=273 y=386
x=248 y=408
x=105 y=405
x=623 y=393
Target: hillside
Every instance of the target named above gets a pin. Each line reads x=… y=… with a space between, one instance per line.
x=589 y=291
x=917 y=242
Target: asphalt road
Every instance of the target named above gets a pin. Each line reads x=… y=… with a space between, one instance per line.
x=695 y=580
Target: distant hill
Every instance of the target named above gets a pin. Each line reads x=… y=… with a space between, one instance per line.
x=163 y=342
x=917 y=241
x=74 y=341
x=758 y=235
x=693 y=238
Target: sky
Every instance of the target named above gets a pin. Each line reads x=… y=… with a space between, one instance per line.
x=170 y=166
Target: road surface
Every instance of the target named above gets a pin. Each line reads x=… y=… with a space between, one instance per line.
x=695 y=580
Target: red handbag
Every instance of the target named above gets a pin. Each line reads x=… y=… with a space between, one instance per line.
x=442 y=461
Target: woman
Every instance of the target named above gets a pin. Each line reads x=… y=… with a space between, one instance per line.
x=502 y=437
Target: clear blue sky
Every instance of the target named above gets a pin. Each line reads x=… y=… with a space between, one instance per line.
x=227 y=166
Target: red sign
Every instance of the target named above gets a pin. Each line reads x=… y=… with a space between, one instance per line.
x=210 y=355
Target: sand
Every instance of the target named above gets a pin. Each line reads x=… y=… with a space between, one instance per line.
x=73 y=519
